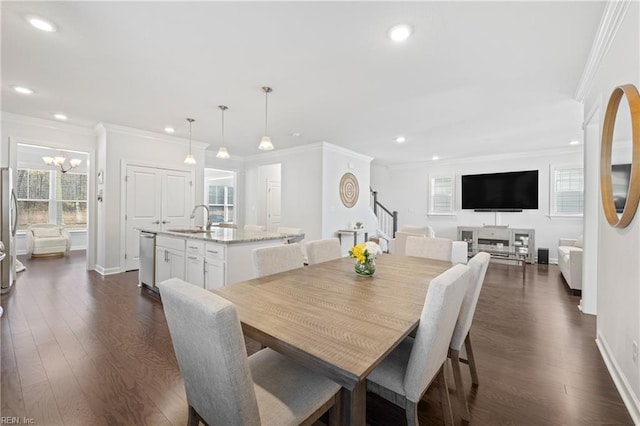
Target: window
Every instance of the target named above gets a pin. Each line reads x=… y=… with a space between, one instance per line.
x=567 y=192
x=441 y=190
x=48 y=196
x=220 y=195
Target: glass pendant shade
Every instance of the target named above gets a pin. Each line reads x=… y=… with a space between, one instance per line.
x=265 y=144
x=59 y=161
x=190 y=159
x=222 y=153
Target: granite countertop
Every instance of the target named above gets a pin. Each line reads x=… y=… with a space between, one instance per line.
x=219 y=235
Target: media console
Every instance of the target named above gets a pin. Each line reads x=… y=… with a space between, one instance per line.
x=499 y=239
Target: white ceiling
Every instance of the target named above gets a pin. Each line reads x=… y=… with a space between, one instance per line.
x=475 y=78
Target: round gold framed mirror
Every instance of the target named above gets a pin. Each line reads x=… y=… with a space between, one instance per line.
x=629 y=93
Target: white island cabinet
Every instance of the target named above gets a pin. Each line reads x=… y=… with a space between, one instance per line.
x=211 y=259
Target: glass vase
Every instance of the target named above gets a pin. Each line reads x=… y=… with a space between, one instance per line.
x=366 y=269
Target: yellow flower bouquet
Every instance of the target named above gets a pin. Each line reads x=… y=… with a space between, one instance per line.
x=365 y=255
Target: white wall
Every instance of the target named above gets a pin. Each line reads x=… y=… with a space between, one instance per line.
x=301 y=188
x=406 y=190
x=618 y=293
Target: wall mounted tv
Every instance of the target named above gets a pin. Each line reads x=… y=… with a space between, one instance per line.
x=500 y=192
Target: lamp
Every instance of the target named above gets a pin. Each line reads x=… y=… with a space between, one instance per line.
x=222 y=152
x=265 y=142
x=190 y=159
x=59 y=162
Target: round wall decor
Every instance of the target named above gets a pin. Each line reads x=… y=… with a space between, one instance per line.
x=349 y=190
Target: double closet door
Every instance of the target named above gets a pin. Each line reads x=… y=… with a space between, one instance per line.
x=155 y=197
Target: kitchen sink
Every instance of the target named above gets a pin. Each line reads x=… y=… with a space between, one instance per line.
x=188 y=230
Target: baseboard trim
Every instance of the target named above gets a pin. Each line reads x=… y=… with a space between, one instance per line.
x=624 y=388
x=106 y=271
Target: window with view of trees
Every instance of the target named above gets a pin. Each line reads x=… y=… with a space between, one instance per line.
x=49 y=196
x=219 y=195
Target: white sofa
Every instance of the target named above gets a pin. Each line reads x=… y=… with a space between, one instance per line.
x=570 y=261
x=47 y=239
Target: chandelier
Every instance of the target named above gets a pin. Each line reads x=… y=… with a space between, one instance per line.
x=60 y=161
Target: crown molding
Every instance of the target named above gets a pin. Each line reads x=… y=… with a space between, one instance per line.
x=610 y=22
x=10 y=117
x=130 y=131
x=497 y=157
x=316 y=146
x=344 y=151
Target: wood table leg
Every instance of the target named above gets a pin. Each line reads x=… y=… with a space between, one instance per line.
x=354 y=405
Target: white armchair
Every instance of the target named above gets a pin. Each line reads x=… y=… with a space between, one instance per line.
x=47 y=239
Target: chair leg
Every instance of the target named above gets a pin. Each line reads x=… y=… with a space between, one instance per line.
x=447 y=414
x=411 y=411
x=472 y=361
x=194 y=417
x=457 y=376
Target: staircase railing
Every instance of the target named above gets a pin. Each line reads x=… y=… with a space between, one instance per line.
x=387 y=219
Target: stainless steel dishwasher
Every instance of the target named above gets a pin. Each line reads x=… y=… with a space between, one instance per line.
x=147 y=272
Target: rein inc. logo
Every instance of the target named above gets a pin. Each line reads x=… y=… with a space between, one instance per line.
x=17 y=421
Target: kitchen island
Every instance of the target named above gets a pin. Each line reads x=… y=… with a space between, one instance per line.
x=209 y=259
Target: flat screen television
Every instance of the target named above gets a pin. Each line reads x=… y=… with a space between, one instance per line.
x=620 y=177
x=511 y=191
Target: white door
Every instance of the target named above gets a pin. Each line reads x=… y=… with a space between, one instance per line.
x=177 y=198
x=154 y=196
x=144 y=196
x=273 y=205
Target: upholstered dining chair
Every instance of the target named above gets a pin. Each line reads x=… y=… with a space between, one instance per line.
x=223 y=386
x=406 y=373
x=437 y=248
x=271 y=260
x=478 y=265
x=319 y=251
x=254 y=228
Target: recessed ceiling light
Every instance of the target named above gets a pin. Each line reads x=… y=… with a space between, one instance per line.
x=399 y=33
x=169 y=129
x=576 y=142
x=401 y=139
x=60 y=117
x=296 y=134
x=23 y=90
x=435 y=157
x=41 y=24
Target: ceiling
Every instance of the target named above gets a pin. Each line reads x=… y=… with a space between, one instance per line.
x=475 y=78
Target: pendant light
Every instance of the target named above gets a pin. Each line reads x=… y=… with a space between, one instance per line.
x=222 y=152
x=265 y=142
x=190 y=158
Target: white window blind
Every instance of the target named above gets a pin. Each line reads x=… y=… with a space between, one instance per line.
x=568 y=191
x=441 y=195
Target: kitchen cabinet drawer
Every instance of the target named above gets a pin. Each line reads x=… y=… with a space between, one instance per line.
x=215 y=251
x=170 y=242
x=195 y=248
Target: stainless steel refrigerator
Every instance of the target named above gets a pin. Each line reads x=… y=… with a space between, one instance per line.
x=8 y=223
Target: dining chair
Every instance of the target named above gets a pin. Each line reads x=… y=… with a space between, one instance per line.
x=319 y=251
x=223 y=385
x=437 y=248
x=405 y=374
x=478 y=265
x=271 y=260
x=254 y=228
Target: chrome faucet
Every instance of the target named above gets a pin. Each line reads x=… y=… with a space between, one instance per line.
x=193 y=215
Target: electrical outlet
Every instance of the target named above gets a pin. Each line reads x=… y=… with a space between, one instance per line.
x=634 y=352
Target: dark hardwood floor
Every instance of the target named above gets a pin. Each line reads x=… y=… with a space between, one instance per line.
x=81 y=349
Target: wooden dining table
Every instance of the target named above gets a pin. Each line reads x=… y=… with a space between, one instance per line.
x=335 y=322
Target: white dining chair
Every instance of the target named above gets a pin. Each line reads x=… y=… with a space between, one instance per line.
x=319 y=251
x=223 y=386
x=254 y=228
x=405 y=374
x=437 y=248
x=271 y=260
x=478 y=265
